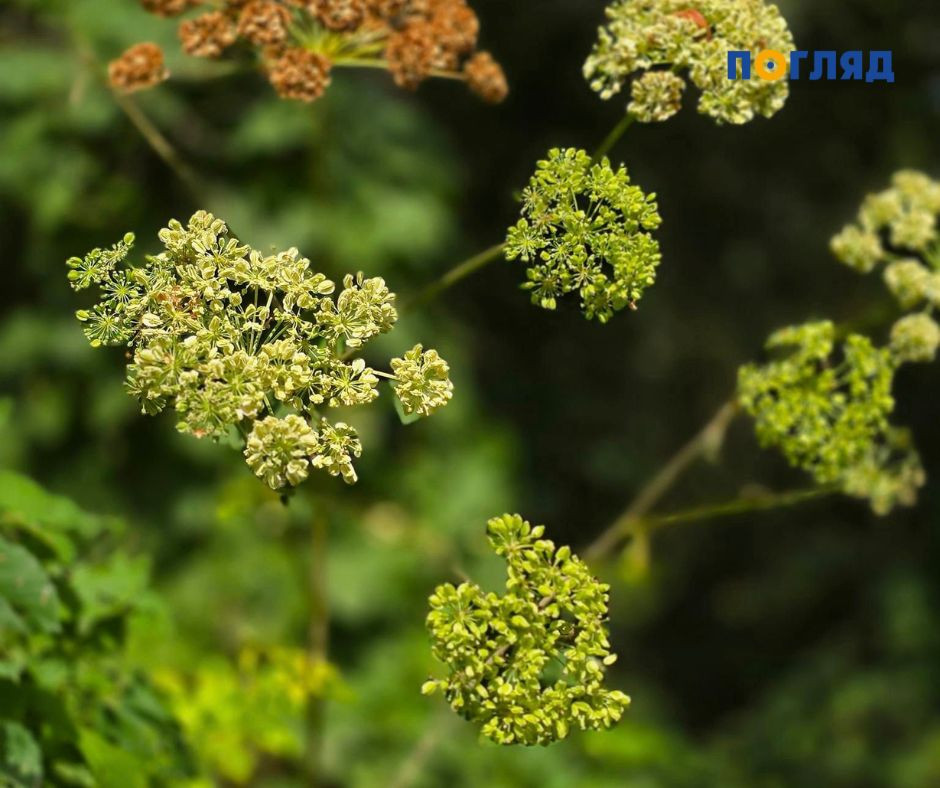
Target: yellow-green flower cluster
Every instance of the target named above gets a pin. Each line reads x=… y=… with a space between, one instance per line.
x=422 y=381
x=528 y=665
x=243 y=343
x=656 y=96
x=694 y=39
x=827 y=412
x=896 y=225
x=899 y=228
x=585 y=229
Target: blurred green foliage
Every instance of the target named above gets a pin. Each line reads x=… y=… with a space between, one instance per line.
x=782 y=649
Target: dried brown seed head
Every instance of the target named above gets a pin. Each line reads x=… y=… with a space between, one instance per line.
x=264 y=22
x=485 y=77
x=340 y=15
x=168 y=7
x=207 y=35
x=300 y=75
x=138 y=68
x=411 y=54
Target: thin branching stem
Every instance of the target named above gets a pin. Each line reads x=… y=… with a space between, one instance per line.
x=456 y=274
x=706 y=441
x=614 y=137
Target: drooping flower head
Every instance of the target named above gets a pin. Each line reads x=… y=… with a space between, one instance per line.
x=300 y=42
x=527 y=665
x=585 y=229
x=647 y=37
x=828 y=411
x=251 y=346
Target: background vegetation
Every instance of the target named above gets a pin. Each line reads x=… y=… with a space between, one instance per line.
x=794 y=648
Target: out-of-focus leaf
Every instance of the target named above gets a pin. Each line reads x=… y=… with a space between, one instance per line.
x=110 y=589
x=20 y=756
x=30 y=595
x=111 y=766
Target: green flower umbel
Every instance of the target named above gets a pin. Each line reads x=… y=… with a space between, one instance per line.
x=527 y=665
x=252 y=346
x=585 y=230
x=643 y=38
x=828 y=412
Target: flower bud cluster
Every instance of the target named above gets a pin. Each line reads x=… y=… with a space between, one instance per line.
x=657 y=42
x=300 y=41
x=827 y=411
x=527 y=665
x=898 y=228
x=585 y=229
x=242 y=343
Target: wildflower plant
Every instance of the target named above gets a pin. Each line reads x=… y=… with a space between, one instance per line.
x=251 y=347
x=299 y=42
x=828 y=413
x=528 y=665
x=657 y=43
x=585 y=229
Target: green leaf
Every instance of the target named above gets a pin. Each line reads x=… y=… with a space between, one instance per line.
x=111 y=766
x=110 y=589
x=50 y=518
x=20 y=756
x=27 y=590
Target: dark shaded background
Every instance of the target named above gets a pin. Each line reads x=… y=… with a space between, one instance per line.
x=792 y=648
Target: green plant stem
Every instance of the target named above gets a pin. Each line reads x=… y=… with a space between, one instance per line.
x=736 y=506
x=156 y=140
x=318 y=635
x=706 y=441
x=360 y=62
x=456 y=274
x=614 y=137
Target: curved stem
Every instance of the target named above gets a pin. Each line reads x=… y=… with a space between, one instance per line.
x=456 y=274
x=614 y=137
x=707 y=441
x=736 y=506
x=158 y=142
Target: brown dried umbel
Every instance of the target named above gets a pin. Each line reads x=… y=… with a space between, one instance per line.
x=411 y=54
x=167 y=7
x=413 y=39
x=300 y=75
x=485 y=77
x=339 y=15
x=264 y=22
x=139 y=67
x=208 y=35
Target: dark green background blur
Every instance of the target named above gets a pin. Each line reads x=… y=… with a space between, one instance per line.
x=798 y=648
